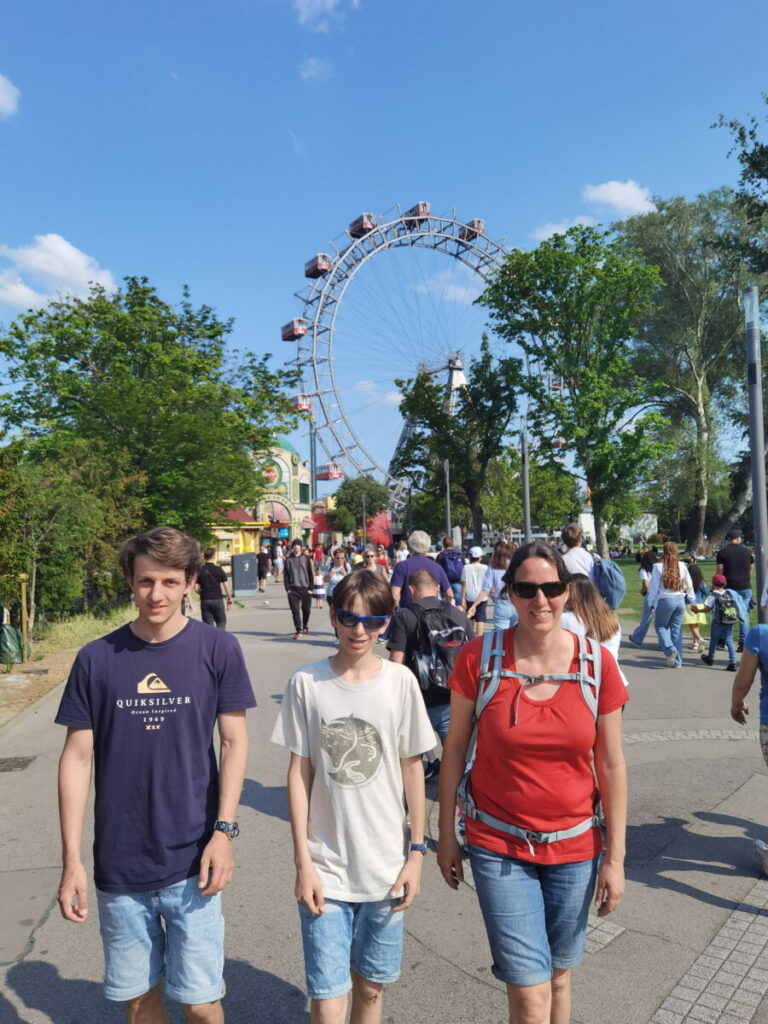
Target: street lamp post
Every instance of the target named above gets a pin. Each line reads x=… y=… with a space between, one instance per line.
x=756 y=440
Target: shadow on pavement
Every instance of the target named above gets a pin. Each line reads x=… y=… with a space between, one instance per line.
x=316 y=639
x=253 y=995
x=655 y=849
x=271 y=800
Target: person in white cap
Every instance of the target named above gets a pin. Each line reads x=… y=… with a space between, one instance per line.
x=472 y=584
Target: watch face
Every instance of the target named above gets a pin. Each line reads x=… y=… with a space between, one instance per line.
x=230 y=828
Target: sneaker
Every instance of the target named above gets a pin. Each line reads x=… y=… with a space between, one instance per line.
x=633 y=641
x=695 y=646
x=760 y=851
x=431 y=769
x=731 y=666
x=672 y=659
x=739 y=648
x=707 y=660
x=297 y=636
x=305 y=630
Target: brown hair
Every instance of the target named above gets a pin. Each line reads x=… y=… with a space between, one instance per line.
x=587 y=604
x=502 y=552
x=170 y=547
x=422 y=580
x=571 y=535
x=537 y=549
x=670 y=569
x=372 y=589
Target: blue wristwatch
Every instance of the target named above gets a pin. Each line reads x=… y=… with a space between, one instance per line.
x=229 y=828
x=418 y=848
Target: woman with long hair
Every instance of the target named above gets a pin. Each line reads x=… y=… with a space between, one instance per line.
x=504 y=614
x=587 y=613
x=534 y=840
x=670 y=585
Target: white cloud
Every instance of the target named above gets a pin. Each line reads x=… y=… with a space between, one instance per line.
x=545 y=231
x=56 y=268
x=625 y=198
x=368 y=392
x=315 y=69
x=452 y=286
x=318 y=14
x=299 y=149
x=9 y=97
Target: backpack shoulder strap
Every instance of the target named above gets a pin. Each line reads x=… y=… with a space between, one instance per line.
x=589 y=651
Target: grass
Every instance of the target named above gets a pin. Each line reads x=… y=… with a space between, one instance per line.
x=79 y=630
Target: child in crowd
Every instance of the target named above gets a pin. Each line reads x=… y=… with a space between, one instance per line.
x=318 y=590
x=725 y=607
x=693 y=618
x=356 y=727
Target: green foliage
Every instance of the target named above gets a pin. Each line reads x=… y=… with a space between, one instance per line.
x=153 y=384
x=692 y=337
x=470 y=437
x=572 y=305
x=752 y=155
x=348 y=514
x=553 y=490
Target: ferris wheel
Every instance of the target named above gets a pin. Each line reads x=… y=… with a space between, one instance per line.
x=414 y=278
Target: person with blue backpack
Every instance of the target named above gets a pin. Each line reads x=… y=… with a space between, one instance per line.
x=537 y=710
x=727 y=608
x=755 y=656
x=452 y=562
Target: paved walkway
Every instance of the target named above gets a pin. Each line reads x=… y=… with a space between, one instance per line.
x=687 y=944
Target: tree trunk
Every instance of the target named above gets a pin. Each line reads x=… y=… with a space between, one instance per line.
x=742 y=501
x=601 y=539
x=477 y=522
x=31 y=598
x=701 y=479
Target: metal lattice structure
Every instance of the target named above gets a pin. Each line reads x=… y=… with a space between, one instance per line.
x=322 y=298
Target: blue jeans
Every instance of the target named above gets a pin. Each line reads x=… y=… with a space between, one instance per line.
x=724 y=633
x=669 y=625
x=504 y=613
x=535 y=914
x=139 y=952
x=746 y=596
x=368 y=937
x=638 y=635
x=440 y=719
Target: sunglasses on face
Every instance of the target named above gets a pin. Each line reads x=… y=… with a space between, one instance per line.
x=528 y=590
x=350 y=620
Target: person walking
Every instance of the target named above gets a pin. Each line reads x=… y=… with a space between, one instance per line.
x=725 y=606
x=472 y=578
x=140 y=707
x=647 y=561
x=504 y=614
x=210 y=580
x=734 y=561
x=419 y=544
x=587 y=614
x=693 y=618
x=263 y=568
x=670 y=585
x=534 y=840
x=576 y=556
x=298 y=580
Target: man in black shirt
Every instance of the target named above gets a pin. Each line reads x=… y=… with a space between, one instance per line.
x=734 y=561
x=263 y=568
x=405 y=637
x=298 y=579
x=210 y=580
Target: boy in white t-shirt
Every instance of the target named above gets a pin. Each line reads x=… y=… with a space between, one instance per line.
x=356 y=727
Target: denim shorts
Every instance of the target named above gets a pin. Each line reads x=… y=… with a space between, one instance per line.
x=368 y=937
x=139 y=952
x=535 y=914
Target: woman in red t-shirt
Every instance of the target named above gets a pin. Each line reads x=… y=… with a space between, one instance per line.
x=533 y=769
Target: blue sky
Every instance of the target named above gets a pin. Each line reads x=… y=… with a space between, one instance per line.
x=223 y=145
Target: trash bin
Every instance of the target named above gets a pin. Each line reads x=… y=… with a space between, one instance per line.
x=244 y=575
x=11 y=646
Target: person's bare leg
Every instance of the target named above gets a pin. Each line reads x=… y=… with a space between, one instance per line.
x=203 y=1013
x=328 y=1011
x=367 y=998
x=561 y=996
x=529 y=1004
x=147 y=1009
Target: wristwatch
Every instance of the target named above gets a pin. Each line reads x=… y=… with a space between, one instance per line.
x=418 y=848
x=229 y=828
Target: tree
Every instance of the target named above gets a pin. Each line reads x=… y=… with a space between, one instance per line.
x=470 y=437
x=355 y=497
x=155 y=382
x=752 y=194
x=572 y=305
x=692 y=336
x=553 y=490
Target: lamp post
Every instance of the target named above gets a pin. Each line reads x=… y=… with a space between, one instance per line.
x=24 y=577
x=756 y=440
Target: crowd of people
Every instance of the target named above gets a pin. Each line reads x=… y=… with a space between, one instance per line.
x=521 y=724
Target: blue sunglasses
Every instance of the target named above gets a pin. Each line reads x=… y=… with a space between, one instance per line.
x=350 y=620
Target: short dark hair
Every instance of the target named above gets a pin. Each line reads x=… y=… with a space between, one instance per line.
x=297 y=543
x=571 y=535
x=168 y=546
x=208 y=554
x=447 y=542
x=423 y=579
x=537 y=549
x=371 y=588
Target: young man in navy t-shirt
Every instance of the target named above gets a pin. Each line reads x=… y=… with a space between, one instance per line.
x=141 y=705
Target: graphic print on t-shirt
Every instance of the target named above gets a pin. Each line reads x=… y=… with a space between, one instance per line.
x=152 y=683
x=153 y=706
x=354 y=749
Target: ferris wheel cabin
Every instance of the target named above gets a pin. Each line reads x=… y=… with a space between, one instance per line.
x=362 y=225
x=318 y=265
x=294 y=329
x=472 y=229
x=302 y=403
x=330 y=471
x=417 y=213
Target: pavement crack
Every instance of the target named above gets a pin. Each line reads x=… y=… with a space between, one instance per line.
x=447 y=960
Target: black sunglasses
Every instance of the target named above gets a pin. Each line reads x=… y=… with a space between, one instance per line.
x=528 y=590
x=349 y=619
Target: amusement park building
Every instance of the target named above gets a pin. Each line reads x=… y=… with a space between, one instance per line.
x=283 y=513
